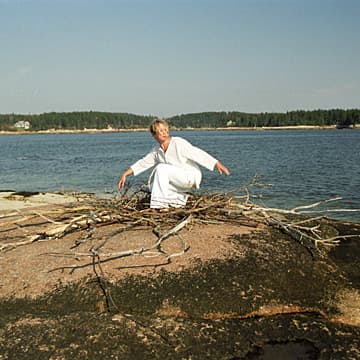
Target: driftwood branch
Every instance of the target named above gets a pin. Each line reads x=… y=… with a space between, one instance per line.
x=146 y=250
x=131 y=211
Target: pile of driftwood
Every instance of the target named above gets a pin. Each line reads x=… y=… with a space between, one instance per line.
x=130 y=211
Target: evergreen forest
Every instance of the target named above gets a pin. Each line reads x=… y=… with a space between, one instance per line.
x=106 y=120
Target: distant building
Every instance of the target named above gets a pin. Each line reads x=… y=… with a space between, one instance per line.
x=25 y=125
x=230 y=123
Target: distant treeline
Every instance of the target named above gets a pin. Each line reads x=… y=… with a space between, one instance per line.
x=76 y=121
x=291 y=118
x=104 y=120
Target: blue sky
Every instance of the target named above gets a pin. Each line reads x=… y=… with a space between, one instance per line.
x=168 y=57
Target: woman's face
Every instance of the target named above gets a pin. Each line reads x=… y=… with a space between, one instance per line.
x=162 y=133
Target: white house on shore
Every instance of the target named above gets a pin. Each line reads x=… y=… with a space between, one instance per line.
x=22 y=124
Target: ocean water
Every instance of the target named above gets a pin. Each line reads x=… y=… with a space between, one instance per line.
x=300 y=167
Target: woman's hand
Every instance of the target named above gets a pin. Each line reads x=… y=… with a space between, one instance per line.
x=123 y=178
x=222 y=168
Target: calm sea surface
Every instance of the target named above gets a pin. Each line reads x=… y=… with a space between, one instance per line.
x=302 y=166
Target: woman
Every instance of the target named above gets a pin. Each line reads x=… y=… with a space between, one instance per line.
x=176 y=167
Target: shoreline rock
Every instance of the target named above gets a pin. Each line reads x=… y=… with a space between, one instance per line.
x=15 y=200
x=260 y=293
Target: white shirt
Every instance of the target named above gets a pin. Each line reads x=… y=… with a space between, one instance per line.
x=179 y=153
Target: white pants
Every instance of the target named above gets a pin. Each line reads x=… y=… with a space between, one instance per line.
x=170 y=186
